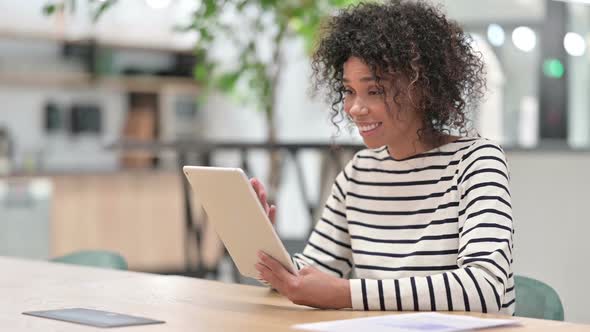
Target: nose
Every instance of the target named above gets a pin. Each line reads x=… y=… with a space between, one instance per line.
x=358 y=109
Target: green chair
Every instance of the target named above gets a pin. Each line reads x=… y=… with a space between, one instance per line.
x=95 y=258
x=536 y=299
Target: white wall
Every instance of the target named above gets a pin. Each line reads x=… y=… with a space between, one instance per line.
x=550 y=196
x=22 y=114
x=498 y=11
x=132 y=22
x=578 y=98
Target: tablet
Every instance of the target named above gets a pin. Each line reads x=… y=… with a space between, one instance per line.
x=91 y=317
x=233 y=209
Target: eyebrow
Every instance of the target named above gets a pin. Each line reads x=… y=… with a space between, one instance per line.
x=363 y=79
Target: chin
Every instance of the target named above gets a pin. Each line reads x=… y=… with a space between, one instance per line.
x=372 y=144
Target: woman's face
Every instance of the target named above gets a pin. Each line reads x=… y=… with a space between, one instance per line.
x=364 y=102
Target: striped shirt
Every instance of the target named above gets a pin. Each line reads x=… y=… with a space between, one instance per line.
x=429 y=232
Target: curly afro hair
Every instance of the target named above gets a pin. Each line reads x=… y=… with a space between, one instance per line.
x=443 y=75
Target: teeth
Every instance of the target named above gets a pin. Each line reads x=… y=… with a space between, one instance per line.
x=368 y=127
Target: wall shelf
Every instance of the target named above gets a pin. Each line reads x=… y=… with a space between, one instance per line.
x=135 y=83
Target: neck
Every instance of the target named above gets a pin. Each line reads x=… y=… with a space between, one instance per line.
x=407 y=149
x=415 y=145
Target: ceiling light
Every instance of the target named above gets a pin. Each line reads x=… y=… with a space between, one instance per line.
x=496 y=35
x=574 y=44
x=524 y=38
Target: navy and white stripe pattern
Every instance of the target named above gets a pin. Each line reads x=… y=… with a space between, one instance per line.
x=429 y=232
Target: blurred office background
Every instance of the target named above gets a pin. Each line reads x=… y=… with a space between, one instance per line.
x=71 y=91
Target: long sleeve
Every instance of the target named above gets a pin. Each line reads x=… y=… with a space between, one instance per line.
x=483 y=273
x=328 y=247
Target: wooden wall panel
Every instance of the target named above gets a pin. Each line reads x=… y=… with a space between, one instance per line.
x=138 y=214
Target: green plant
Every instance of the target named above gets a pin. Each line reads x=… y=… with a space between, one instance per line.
x=252 y=76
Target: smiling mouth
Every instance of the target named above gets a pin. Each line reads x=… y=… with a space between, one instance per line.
x=367 y=128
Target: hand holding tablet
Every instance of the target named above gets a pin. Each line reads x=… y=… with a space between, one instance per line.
x=234 y=209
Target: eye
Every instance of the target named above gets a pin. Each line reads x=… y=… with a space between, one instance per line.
x=375 y=92
x=346 y=92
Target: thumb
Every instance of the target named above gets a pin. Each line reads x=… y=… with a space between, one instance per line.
x=306 y=270
x=272 y=214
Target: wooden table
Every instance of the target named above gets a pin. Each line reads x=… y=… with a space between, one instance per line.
x=185 y=304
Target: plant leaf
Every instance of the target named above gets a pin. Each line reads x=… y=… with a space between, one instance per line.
x=51 y=8
x=102 y=9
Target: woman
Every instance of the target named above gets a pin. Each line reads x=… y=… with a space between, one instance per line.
x=421 y=220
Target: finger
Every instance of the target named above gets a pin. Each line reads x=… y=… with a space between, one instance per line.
x=260 y=267
x=261 y=193
x=264 y=199
x=272 y=214
x=274 y=282
x=257 y=185
x=267 y=261
x=261 y=190
x=265 y=207
x=264 y=275
x=277 y=268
